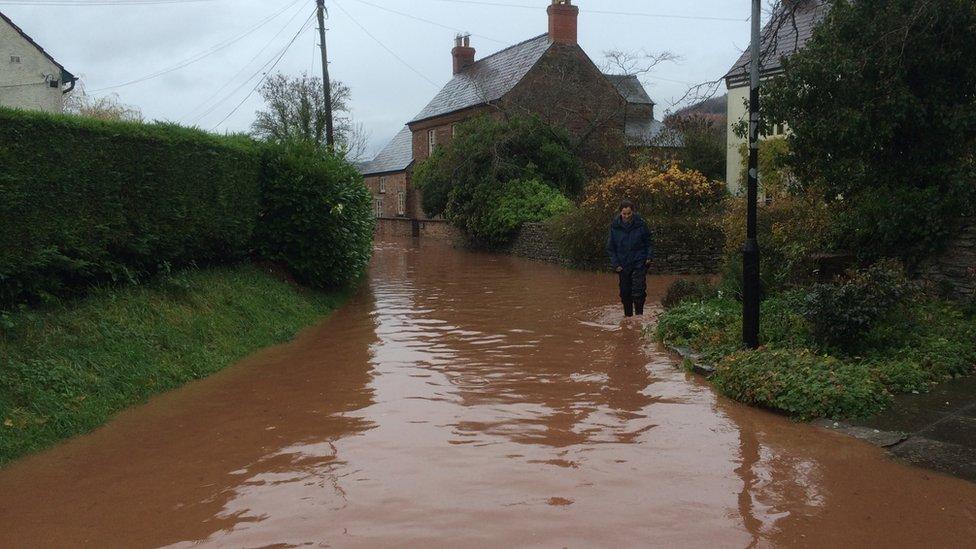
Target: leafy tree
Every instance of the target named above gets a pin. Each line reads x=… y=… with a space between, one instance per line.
x=462 y=179
x=295 y=111
x=702 y=142
x=882 y=110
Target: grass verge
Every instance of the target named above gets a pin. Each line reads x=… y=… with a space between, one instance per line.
x=924 y=341
x=67 y=368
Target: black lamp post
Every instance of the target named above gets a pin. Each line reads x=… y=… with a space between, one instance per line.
x=750 y=251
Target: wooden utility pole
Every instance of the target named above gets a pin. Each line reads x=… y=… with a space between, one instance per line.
x=327 y=84
x=750 y=251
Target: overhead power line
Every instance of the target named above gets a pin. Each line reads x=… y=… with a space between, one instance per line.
x=236 y=76
x=603 y=12
x=97 y=2
x=267 y=72
x=428 y=21
x=202 y=55
x=384 y=46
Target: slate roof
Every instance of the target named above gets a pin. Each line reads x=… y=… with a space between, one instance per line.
x=65 y=75
x=487 y=79
x=647 y=131
x=631 y=88
x=396 y=155
x=789 y=40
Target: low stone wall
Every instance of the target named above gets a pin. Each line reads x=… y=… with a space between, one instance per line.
x=954 y=271
x=399 y=227
x=672 y=252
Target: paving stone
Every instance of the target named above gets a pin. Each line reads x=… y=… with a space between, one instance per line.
x=951 y=459
x=955 y=429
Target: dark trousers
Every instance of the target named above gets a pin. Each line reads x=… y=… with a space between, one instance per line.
x=633 y=289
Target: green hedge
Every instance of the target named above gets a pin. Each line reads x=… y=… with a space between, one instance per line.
x=85 y=202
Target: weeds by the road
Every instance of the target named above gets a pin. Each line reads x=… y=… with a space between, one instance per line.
x=924 y=341
x=66 y=369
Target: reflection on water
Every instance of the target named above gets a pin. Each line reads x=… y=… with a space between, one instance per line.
x=466 y=399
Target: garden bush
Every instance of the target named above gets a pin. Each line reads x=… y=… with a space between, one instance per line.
x=840 y=313
x=682 y=202
x=315 y=215
x=928 y=341
x=685 y=289
x=85 y=202
x=802 y=383
x=463 y=179
x=496 y=219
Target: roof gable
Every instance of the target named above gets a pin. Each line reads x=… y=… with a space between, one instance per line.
x=487 y=79
x=65 y=75
x=789 y=39
x=396 y=155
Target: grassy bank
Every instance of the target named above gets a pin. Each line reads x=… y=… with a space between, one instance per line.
x=66 y=369
x=923 y=341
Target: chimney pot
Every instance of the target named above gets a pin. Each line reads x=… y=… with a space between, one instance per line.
x=462 y=53
x=563 y=19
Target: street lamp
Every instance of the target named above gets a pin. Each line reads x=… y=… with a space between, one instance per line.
x=750 y=251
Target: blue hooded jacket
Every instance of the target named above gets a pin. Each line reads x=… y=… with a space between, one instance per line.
x=629 y=245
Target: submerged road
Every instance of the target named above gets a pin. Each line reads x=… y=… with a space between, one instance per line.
x=465 y=400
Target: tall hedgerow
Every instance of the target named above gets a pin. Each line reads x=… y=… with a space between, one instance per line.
x=86 y=202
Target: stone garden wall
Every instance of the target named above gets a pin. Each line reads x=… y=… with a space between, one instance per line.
x=954 y=271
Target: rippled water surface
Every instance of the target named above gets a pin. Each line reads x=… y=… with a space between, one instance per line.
x=461 y=400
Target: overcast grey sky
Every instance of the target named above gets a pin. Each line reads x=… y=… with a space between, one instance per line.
x=107 y=45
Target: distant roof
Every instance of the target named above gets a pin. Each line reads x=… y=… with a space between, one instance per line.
x=648 y=131
x=789 y=39
x=487 y=79
x=396 y=155
x=65 y=75
x=631 y=88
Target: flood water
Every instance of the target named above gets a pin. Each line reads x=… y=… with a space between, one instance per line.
x=466 y=400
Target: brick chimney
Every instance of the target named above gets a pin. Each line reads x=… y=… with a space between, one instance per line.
x=563 y=16
x=462 y=53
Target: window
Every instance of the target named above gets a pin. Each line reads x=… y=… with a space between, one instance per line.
x=15 y=59
x=401 y=202
x=431 y=140
x=378 y=206
x=382 y=186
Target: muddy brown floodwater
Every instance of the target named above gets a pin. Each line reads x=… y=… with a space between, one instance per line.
x=463 y=400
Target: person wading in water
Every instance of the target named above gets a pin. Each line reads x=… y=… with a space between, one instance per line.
x=631 y=249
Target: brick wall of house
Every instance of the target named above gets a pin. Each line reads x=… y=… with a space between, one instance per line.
x=443 y=127
x=566 y=89
x=386 y=189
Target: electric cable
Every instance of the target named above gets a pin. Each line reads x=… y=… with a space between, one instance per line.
x=384 y=46
x=266 y=73
x=202 y=55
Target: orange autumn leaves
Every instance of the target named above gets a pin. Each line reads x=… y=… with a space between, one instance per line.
x=655 y=191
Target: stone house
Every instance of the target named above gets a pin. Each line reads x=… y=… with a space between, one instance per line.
x=786 y=33
x=29 y=77
x=549 y=76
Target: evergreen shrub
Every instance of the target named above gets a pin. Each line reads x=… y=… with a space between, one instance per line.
x=316 y=215
x=85 y=202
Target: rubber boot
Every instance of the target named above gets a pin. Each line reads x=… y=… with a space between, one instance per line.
x=628 y=308
x=639 y=306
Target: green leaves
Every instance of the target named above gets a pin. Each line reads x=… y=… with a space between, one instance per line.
x=881 y=111
x=315 y=215
x=464 y=179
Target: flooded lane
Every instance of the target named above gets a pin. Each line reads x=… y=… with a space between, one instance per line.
x=466 y=400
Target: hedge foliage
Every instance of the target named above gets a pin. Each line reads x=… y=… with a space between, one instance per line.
x=680 y=203
x=316 y=215
x=470 y=179
x=85 y=203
